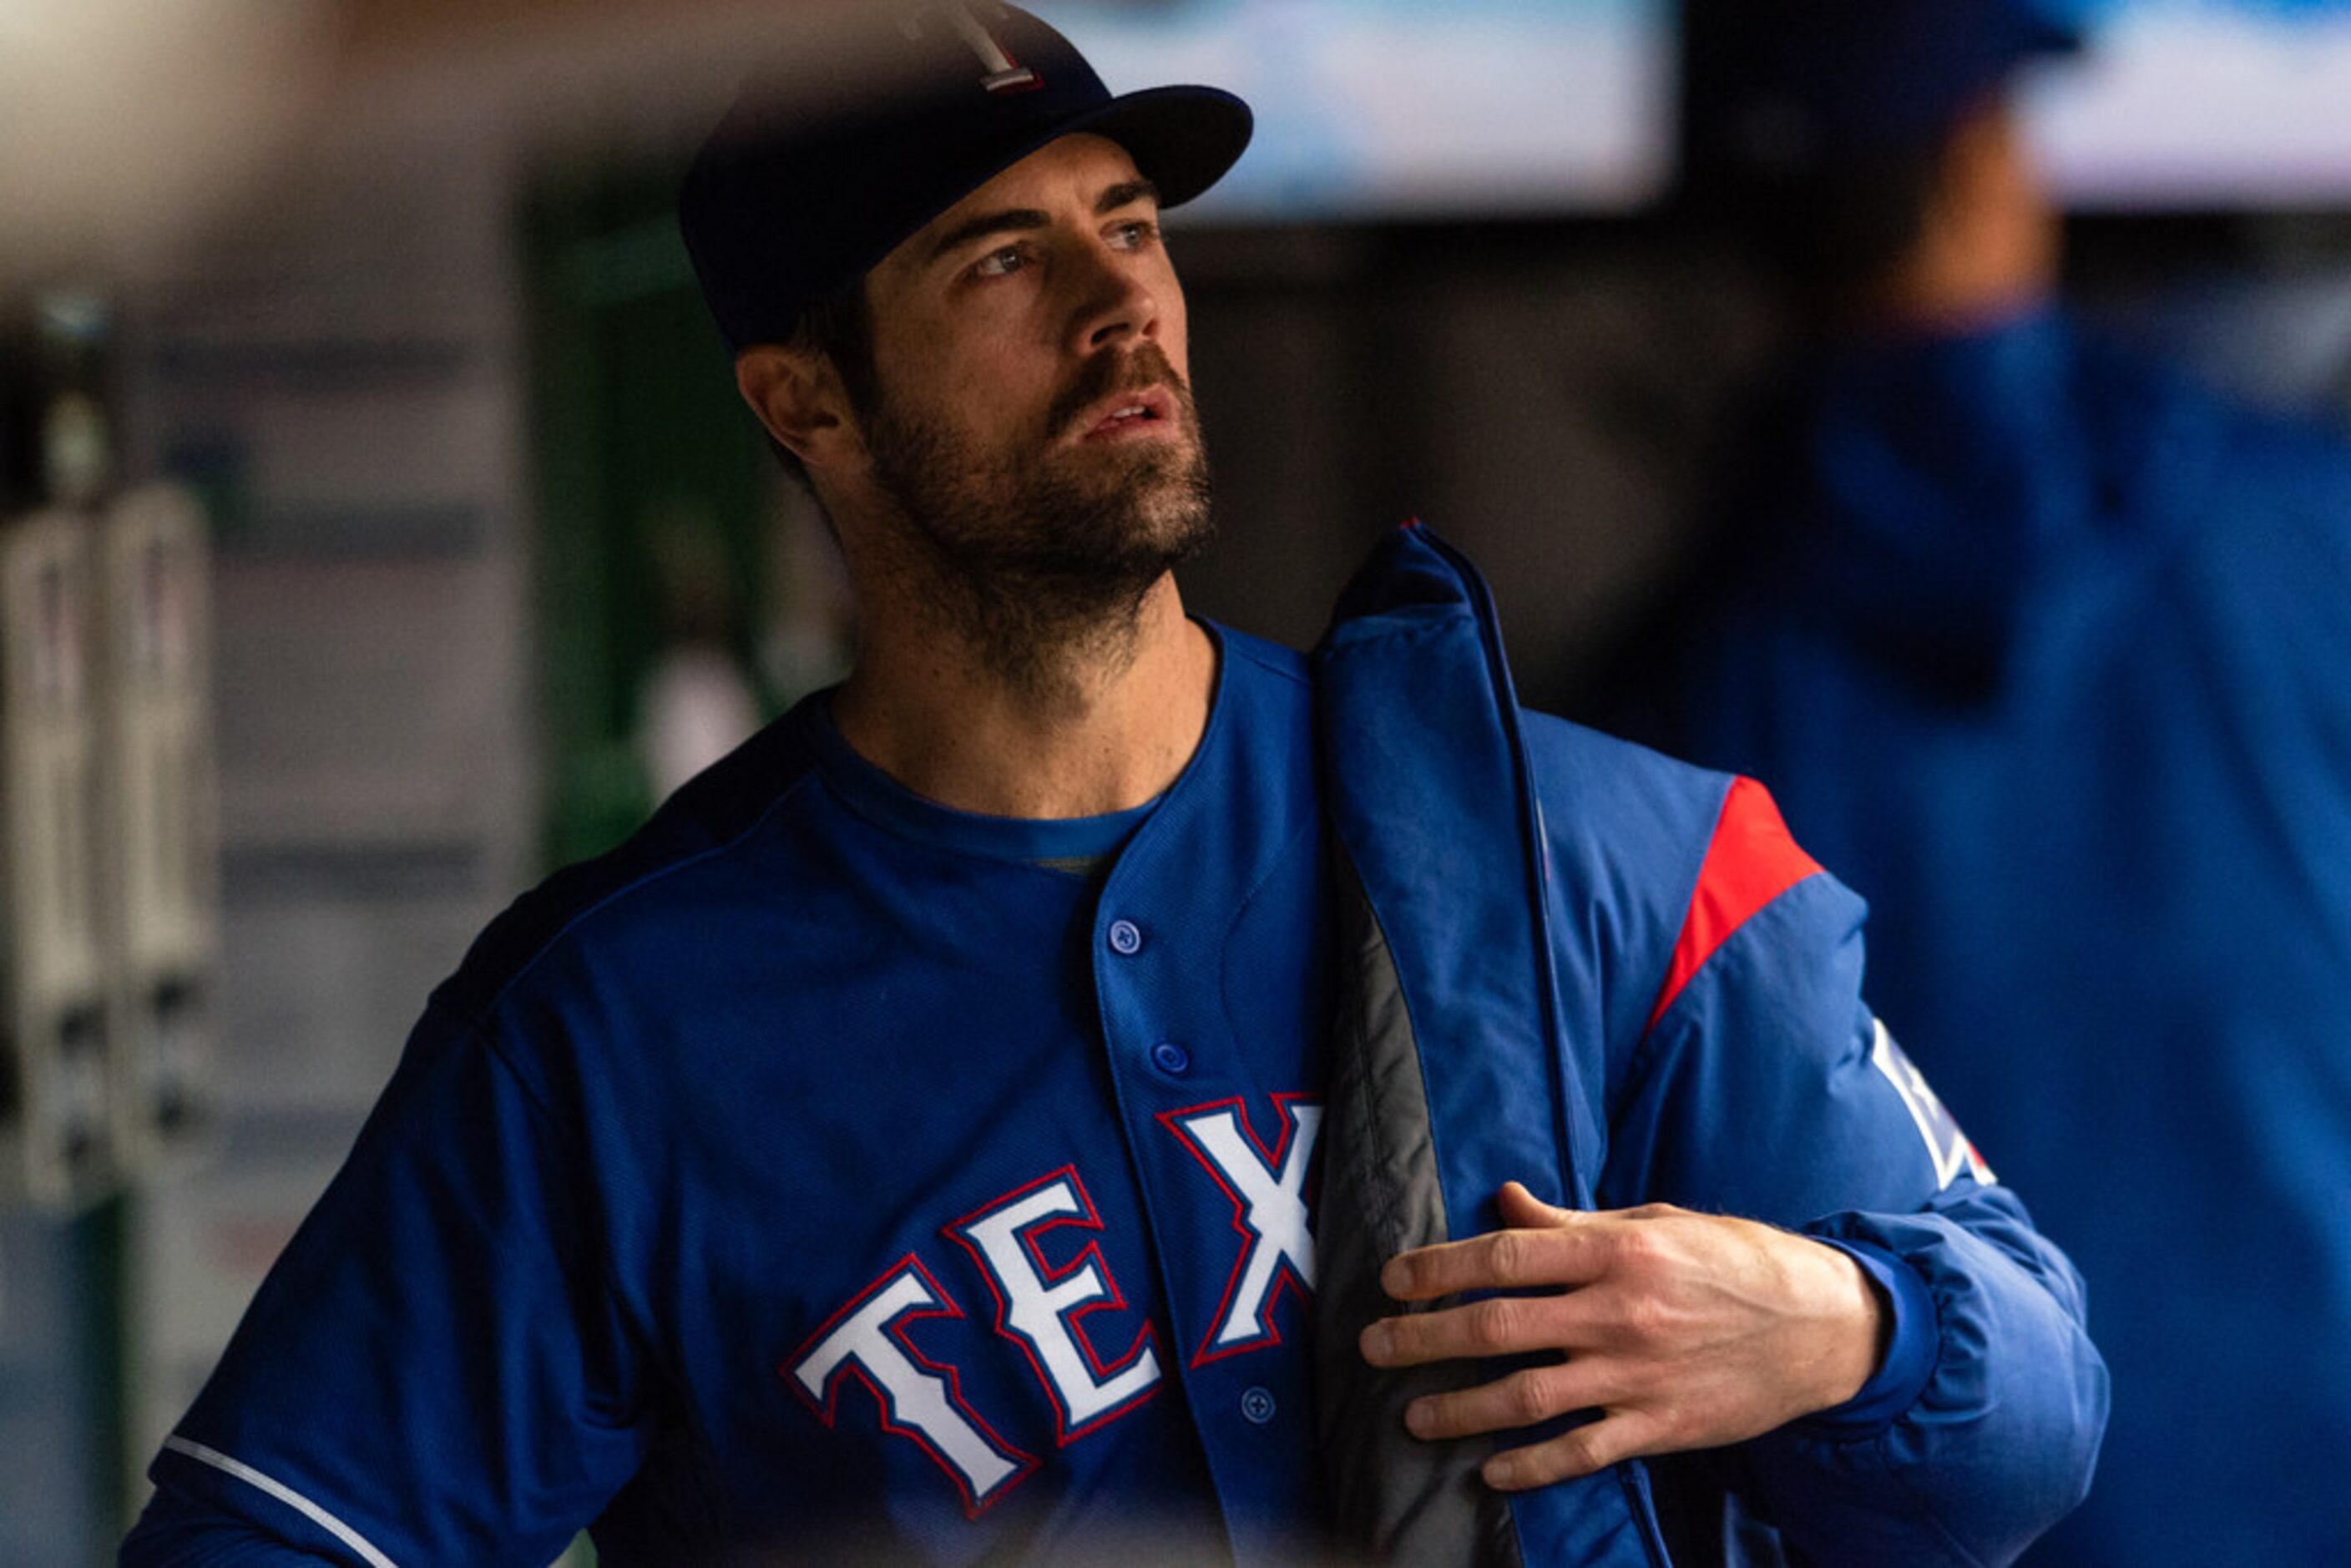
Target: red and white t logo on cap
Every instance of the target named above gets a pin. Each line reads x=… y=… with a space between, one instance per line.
x=1004 y=74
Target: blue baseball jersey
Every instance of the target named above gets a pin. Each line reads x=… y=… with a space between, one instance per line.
x=827 y=1173
x=829 y=1164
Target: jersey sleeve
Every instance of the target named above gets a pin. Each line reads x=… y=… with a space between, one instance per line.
x=1762 y=1085
x=433 y=1371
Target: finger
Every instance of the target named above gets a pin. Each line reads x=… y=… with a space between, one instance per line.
x=1521 y=1399
x=1615 y=1437
x=1518 y=1206
x=1497 y=1325
x=1569 y=1254
x=1521 y=1209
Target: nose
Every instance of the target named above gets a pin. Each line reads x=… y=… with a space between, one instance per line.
x=1115 y=302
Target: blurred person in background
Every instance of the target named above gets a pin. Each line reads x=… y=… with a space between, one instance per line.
x=929 y=1140
x=2049 y=651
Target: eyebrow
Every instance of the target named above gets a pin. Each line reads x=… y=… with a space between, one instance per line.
x=1126 y=195
x=1017 y=220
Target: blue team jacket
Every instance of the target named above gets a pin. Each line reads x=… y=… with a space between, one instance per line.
x=1506 y=1021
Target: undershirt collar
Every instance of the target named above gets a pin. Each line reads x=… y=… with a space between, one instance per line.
x=1066 y=843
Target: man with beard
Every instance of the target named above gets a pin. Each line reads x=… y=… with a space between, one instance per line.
x=930 y=1137
x=1014 y=476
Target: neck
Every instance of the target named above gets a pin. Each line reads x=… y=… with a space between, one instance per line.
x=1093 y=719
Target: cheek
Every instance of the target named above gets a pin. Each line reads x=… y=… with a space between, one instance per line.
x=988 y=406
x=1175 y=329
x=938 y=380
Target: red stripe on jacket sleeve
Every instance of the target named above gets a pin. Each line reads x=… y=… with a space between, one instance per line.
x=1752 y=861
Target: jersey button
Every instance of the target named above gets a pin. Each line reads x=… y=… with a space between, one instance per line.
x=1256 y=1407
x=1171 y=1058
x=1125 y=938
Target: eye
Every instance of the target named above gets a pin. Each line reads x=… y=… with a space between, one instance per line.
x=1139 y=233
x=1001 y=263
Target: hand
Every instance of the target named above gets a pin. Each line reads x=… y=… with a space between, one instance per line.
x=1685 y=1331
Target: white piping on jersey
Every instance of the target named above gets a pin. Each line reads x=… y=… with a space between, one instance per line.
x=285 y=1494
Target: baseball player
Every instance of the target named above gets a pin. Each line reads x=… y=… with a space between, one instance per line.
x=2043 y=641
x=1096 y=1082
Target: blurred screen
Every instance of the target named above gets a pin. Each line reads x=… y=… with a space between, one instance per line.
x=1411 y=109
x=2211 y=104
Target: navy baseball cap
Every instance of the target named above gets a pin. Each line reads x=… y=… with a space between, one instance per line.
x=828 y=159
x=1780 y=86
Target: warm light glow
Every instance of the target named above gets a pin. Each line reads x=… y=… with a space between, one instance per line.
x=121 y=121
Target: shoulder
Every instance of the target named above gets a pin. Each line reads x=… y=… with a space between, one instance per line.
x=1610 y=800
x=2175 y=443
x=1611 y=806
x=1265 y=707
x=1659 y=864
x=2239 y=525
x=693 y=835
x=2298 y=467
x=1252 y=660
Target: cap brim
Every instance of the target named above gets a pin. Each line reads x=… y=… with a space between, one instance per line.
x=1182 y=139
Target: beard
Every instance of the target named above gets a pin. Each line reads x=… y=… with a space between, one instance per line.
x=1041 y=552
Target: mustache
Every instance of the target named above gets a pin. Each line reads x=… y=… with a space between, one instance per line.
x=1107 y=374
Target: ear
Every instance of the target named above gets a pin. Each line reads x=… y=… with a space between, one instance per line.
x=798 y=395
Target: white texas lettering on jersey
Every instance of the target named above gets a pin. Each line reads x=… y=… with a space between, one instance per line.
x=918 y=1399
x=1946 y=1144
x=1269 y=1196
x=1004 y=74
x=1037 y=1307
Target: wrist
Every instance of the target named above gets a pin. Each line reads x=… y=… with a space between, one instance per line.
x=1909 y=1347
x=1858 y=1324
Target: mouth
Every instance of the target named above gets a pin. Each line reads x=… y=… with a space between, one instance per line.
x=1124 y=414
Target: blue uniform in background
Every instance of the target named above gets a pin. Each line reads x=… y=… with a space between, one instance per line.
x=831 y=1174
x=2049 y=653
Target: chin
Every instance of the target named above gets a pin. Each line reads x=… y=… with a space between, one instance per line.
x=1164 y=507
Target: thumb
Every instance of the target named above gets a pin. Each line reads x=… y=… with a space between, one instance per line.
x=1522 y=1210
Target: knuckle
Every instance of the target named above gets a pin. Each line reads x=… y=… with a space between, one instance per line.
x=1509 y=1255
x=1530 y=1397
x=1645 y=1319
x=1492 y=1322
x=1638 y=1246
x=1579 y=1450
x=1643 y=1258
